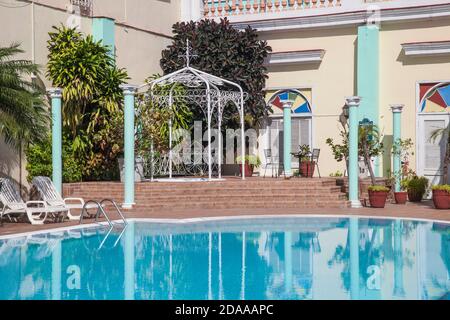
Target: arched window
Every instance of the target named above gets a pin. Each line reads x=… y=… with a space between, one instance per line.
x=434 y=97
x=301 y=104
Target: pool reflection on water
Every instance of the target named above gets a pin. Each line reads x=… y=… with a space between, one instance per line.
x=264 y=258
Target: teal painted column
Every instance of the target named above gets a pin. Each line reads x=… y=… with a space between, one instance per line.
x=396 y=137
x=353 y=194
x=103 y=30
x=128 y=93
x=287 y=106
x=368 y=76
x=55 y=95
x=354 y=258
x=399 y=290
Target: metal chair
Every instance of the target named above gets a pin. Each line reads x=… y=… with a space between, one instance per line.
x=315 y=157
x=271 y=161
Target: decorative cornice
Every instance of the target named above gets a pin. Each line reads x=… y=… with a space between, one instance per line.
x=346 y=19
x=426 y=48
x=295 y=57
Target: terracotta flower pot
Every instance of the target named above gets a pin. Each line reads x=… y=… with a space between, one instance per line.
x=441 y=199
x=248 y=169
x=307 y=169
x=401 y=197
x=377 y=199
x=415 y=196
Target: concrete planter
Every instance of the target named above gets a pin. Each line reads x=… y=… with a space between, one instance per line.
x=401 y=197
x=377 y=199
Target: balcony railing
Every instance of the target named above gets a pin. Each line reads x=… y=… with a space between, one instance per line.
x=223 y=8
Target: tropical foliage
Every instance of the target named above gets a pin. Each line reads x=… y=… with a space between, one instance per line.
x=369 y=145
x=154 y=116
x=92 y=105
x=226 y=52
x=23 y=115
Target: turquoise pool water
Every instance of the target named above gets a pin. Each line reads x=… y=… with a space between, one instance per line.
x=263 y=258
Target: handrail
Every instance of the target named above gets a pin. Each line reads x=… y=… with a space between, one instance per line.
x=117 y=209
x=99 y=210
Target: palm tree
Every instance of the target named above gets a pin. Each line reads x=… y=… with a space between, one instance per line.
x=443 y=132
x=23 y=116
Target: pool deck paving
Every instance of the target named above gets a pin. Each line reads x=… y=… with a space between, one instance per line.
x=423 y=210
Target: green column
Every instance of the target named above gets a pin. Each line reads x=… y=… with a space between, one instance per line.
x=368 y=76
x=396 y=136
x=55 y=95
x=354 y=258
x=399 y=290
x=103 y=30
x=128 y=92
x=287 y=106
x=353 y=194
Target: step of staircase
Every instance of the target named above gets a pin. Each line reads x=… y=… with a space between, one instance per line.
x=228 y=194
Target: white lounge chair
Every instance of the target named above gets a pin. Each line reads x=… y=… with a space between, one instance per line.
x=51 y=196
x=14 y=206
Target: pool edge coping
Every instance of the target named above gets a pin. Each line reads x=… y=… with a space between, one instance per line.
x=216 y=218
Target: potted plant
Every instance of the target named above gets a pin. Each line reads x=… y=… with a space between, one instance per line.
x=251 y=162
x=306 y=164
x=401 y=196
x=377 y=196
x=441 y=196
x=416 y=188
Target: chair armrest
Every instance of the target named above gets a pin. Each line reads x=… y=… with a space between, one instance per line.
x=74 y=199
x=36 y=202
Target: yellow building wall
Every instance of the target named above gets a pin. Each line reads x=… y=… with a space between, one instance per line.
x=331 y=81
x=399 y=74
x=335 y=78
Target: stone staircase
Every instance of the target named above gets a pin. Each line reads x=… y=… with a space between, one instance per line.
x=229 y=194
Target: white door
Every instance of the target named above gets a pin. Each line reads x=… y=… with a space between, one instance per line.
x=431 y=152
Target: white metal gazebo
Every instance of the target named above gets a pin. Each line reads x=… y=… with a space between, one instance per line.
x=211 y=93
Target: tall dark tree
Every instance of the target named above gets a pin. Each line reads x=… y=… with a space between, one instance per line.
x=225 y=52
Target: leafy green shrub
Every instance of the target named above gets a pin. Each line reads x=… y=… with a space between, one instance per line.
x=250 y=159
x=378 y=188
x=442 y=187
x=39 y=163
x=416 y=184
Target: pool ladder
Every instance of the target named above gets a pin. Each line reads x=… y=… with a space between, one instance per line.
x=101 y=210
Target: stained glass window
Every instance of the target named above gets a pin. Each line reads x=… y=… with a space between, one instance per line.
x=434 y=97
x=300 y=99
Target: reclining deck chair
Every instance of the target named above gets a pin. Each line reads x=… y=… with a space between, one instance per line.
x=14 y=206
x=51 y=196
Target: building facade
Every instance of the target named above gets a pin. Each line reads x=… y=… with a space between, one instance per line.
x=387 y=52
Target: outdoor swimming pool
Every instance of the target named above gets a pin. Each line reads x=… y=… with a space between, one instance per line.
x=247 y=258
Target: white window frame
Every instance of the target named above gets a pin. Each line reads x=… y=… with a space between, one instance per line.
x=420 y=167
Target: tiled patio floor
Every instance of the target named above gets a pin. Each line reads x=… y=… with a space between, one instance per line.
x=423 y=210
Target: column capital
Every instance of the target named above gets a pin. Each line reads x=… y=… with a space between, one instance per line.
x=55 y=92
x=128 y=88
x=287 y=104
x=352 y=101
x=396 y=108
